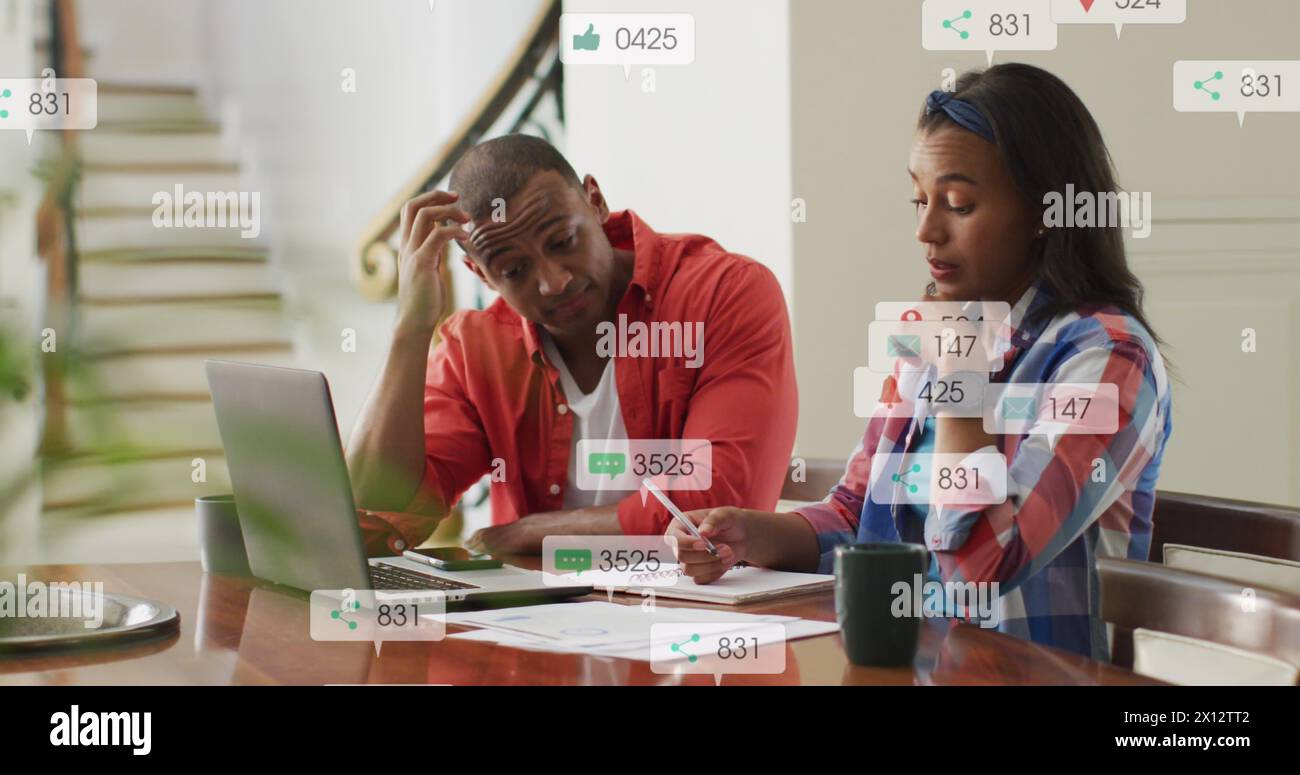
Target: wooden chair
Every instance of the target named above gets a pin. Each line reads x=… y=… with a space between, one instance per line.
x=1229 y=525
x=1254 y=543
x=1138 y=596
x=820 y=475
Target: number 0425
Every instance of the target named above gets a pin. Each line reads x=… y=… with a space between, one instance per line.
x=648 y=39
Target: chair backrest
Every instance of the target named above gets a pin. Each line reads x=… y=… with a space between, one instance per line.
x=1178 y=659
x=1251 y=569
x=1143 y=595
x=1227 y=525
x=819 y=476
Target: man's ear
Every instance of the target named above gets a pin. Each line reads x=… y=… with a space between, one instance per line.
x=478 y=271
x=595 y=197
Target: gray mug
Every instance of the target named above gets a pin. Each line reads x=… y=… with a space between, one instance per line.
x=221 y=542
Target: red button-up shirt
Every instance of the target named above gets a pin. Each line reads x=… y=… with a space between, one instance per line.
x=490 y=393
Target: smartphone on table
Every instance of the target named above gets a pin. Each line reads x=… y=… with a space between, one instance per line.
x=452 y=558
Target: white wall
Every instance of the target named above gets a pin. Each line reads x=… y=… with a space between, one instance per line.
x=326 y=161
x=709 y=151
x=128 y=38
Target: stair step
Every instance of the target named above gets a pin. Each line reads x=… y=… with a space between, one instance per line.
x=167 y=278
x=122 y=105
x=106 y=330
x=122 y=87
x=169 y=534
x=151 y=167
x=158 y=126
x=117 y=230
x=176 y=298
x=93 y=482
x=161 y=425
x=242 y=253
x=127 y=374
x=101 y=147
x=136 y=188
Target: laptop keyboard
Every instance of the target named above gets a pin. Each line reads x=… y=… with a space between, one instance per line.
x=391 y=577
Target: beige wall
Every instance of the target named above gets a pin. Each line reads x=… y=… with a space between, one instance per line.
x=708 y=151
x=1224 y=253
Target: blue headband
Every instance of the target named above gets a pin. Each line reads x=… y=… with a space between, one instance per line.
x=964 y=114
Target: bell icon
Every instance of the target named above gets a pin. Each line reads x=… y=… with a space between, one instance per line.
x=910 y=315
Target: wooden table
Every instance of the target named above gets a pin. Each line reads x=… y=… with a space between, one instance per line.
x=243 y=631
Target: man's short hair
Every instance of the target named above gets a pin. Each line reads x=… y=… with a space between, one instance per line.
x=499 y=167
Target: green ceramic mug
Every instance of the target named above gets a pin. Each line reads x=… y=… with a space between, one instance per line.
x=865 y=578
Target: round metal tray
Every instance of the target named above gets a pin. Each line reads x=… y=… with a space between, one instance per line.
x=126 y=620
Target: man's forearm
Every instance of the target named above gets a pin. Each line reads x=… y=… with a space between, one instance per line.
x=386 y=451
x=593 y=520
x=525 y=536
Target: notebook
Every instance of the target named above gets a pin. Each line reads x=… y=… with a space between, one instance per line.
x=748 y=584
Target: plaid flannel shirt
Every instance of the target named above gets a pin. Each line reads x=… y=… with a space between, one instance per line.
x=1041 y=544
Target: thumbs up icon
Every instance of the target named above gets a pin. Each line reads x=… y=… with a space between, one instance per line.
x=587 y=41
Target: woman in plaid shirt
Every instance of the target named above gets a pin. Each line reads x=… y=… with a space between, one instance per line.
x=985 y=163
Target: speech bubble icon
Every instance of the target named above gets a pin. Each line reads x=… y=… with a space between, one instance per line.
x=573 y=559
x=1008 y=25
x=612 y=463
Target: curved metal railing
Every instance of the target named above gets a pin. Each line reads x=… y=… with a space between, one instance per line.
x=513 y=104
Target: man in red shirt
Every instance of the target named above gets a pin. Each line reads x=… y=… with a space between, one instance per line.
x=510 y=390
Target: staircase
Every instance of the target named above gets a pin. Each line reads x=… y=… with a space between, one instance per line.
x=152 y=304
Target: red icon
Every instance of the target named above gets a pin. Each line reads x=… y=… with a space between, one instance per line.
x=1087 y=5
x=910 y=315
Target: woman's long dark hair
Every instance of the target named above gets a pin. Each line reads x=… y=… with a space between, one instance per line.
x=1049 y=139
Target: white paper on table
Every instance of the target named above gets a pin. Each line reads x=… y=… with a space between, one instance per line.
x=595 y=623
x=605 y=629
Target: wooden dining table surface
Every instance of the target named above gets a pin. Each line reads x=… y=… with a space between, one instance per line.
x=240 y=630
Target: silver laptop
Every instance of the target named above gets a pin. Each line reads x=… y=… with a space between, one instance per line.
x=295 y=499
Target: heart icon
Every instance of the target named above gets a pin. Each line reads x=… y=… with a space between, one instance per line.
x=1087 y=5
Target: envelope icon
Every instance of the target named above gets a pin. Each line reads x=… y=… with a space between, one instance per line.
x=1019 y=408
x=904 y=346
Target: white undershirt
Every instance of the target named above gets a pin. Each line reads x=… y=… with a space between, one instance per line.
x=596 y=415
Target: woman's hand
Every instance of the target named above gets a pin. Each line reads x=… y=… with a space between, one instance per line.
x=726 y=528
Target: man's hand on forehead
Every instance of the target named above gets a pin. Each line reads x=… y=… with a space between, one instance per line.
x=428 y=222
x=428 y=212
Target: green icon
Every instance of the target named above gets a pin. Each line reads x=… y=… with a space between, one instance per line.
x=338 y=614
x=3 y=94
x=1200 y=85
x=677 y=647
x=904 y=346
x=1019 y=408
x=948 y=24
x=573 y=559
x=587 y=41
x=612 y=463
x=902 y=478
